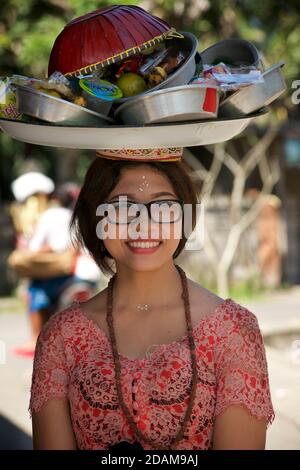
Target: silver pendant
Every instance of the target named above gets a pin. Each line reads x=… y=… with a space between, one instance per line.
x=142 y=306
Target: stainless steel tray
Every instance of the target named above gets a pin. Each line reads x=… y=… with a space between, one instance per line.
x=253 y=97
x=52 y=109
x=235 y=49
x=184 y=134
x=182 y=103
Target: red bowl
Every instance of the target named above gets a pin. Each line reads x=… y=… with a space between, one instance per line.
x=104 y=37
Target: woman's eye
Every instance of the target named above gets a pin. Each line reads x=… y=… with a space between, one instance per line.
x=119 y=206
x=167 y=203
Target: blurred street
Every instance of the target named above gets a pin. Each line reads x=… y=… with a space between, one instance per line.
x=278 y=314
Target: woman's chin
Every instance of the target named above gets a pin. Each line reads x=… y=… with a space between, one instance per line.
x=144 y=263
x=145 y=266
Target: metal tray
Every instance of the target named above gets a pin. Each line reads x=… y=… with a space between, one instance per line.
x=253 y=97
x=182 y=103
x=184 y=134
x=236 y=49
x=52 y=109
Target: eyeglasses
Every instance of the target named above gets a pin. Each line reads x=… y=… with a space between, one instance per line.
x=160 y=211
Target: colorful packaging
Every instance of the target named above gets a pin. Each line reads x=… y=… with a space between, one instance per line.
x=232 y=78
x=101 y=89
x=8 y=106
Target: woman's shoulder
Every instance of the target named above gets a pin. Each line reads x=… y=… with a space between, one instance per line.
x=225 y=314
x=203 y=302
x=235 y=323
x=62 y=321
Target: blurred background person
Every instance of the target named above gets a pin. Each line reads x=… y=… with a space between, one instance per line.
x=51 y=234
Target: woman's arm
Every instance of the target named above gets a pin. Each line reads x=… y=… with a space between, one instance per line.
x=243 y=401
x=49 y=399
x=52 y=427
x=236 y=429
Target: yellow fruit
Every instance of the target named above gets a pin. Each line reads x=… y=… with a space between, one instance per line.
x=131 y=84
x=80 y=101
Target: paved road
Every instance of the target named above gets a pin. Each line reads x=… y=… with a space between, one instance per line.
x=277 y=313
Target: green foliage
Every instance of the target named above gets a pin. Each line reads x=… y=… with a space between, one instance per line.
x=37 y=43
x=248 y=290
x=28 y=28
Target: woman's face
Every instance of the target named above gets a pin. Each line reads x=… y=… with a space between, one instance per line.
x=144 y=244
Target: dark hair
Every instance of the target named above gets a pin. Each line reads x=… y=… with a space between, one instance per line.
x=101 y=178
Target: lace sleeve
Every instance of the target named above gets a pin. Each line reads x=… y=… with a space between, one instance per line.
x=50 y=373
x=241 y=366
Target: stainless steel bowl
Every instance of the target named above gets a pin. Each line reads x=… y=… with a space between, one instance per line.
x=237 y=51
x=254 y=97
x=183 y=103
x=56 y=110
x=183 y=74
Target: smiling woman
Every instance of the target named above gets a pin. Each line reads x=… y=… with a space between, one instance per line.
x=107 y=181
x=94 y=385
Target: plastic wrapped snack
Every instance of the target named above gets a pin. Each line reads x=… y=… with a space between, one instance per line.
x=58 y=85
x=8 y=107
x=232 y=78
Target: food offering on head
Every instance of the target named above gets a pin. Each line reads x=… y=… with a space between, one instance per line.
x=122 y=44
x=105 y=37
x=127 y=52
x=121 y=65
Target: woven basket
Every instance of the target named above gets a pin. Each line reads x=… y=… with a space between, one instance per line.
x=104 y=37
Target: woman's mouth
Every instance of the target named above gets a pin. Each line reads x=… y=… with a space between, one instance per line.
x=144 y=247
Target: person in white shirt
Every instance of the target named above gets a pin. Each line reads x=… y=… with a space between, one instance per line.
x=52 y=233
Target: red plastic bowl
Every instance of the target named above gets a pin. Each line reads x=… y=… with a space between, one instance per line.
x=103 y=37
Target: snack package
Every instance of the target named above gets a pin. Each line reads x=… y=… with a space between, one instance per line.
x=57 y=84
x=232 y=78
x=8 y=106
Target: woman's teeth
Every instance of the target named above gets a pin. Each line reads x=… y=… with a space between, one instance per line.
x=143 y=244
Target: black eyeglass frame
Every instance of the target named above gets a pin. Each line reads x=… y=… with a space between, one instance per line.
x=148 y=207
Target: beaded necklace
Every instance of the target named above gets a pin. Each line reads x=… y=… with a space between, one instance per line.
x=109 y=319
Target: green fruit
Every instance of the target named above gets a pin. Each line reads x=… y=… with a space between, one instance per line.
x=131 y=84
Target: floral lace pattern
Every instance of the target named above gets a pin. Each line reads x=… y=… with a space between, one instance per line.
x=74 y=359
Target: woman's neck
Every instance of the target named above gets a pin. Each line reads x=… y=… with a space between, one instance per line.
x=152 y=288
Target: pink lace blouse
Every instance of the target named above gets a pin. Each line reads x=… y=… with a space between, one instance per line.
x=74 y=359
